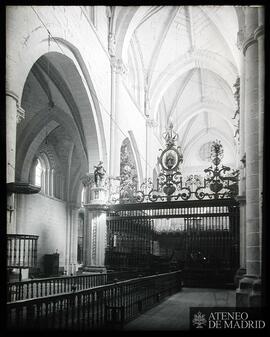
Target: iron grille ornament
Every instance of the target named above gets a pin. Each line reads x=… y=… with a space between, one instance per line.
x=220 y=181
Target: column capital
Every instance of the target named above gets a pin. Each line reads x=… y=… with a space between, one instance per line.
x=111 y=44
x=118 y=66
x=240 y=39
x=20 y=111
x=88 y=180
x=151 y=123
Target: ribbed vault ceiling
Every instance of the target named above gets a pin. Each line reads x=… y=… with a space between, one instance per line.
x=187 y=59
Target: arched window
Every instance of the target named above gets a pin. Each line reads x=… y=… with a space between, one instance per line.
x=44 y=175
x=83 y=197
x=38 y=173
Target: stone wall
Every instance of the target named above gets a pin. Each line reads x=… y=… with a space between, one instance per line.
x=46 y=217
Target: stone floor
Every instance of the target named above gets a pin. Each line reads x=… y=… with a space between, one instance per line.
x=173 y=313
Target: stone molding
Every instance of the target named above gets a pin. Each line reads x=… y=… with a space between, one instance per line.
x=241 y=199
x=248 y=293
x=258 y=32
x=96 y=207
x=12 y=94
x=253 y=38
x=249 y=41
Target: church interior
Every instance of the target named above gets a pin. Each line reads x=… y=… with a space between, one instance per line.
x=134 y=163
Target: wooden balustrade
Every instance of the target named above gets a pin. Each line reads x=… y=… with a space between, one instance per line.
x=107 y=306
x=21 y=250
x=56 y=285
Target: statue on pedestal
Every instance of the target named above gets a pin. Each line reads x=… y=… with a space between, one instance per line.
x=99 y=174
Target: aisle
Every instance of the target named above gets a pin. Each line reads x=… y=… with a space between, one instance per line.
x=173 y=313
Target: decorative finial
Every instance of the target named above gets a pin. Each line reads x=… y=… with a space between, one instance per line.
x=170 y=136
x=216 y=152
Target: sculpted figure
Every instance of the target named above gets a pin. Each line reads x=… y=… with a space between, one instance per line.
x=99 y=174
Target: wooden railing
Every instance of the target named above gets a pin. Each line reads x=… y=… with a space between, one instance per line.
x=108 y=306
x=21 y=250
x=23 y=290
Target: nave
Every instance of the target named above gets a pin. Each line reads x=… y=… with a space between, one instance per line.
x=135 y=163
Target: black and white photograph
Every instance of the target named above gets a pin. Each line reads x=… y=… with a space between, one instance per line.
x=135 y=168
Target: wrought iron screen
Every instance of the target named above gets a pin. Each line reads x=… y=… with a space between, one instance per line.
x=197 y=236
x=191 y=223
x=220 y=181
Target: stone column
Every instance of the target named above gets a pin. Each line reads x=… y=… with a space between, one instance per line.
x=14 y=113
x=146 y=149
x=73 y=239
x=147 y=124
x=242 y=166
x=259 y=35
x=112 y=119
x=88 y=182
x=47 y=179
x=68 y=239
x=118 y=69
x=252 y=142
x=70 y=262
x=52 y=182
x=253 y=242
x=87 y=240
x=97 y=231
x=114 y=87
x=95 y=226
x=255 y=295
